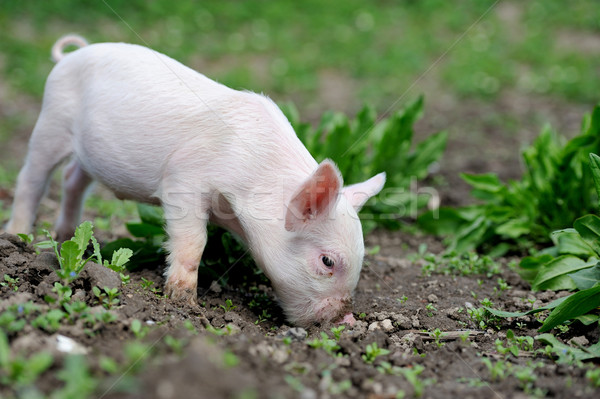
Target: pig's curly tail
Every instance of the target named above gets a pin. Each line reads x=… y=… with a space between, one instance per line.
x=68 y=40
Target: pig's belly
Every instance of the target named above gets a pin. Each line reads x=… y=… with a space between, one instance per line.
x=129 y=172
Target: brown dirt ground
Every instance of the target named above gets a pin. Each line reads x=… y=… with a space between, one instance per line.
x=269 y=367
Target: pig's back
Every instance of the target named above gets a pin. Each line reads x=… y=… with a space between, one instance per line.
x=132 y=110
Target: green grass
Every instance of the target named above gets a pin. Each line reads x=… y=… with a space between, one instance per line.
x=285 y=47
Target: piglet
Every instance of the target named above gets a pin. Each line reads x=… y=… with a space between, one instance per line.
x=156 y=131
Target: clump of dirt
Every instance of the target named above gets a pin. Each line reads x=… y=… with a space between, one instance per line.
x=236 y=342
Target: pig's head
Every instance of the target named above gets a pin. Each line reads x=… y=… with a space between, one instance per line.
x=318 y=262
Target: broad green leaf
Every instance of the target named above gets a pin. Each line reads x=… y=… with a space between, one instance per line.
x=557 y=267
x=82 y=237
x=443 y=221
x=504 y=314
x=69 y=254
x=485 y=182
x=144 y=230
x=97 y=252
x=427 y=152
x=595 y=167
x=4 y=351
x=576 y=304
x=588 y=227
x=564 y=351
x=121 y=257
x=514 y=228
x=38 y=363
x=569 y=242
x=588 y=319
x=150 y=214
x=470 y=236
x=586 y=278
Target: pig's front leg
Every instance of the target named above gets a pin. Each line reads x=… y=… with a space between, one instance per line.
x=187 y=238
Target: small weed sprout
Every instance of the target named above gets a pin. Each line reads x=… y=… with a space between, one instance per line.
x=228 y=307
x=263 y=317
x=26 y=238
x=230 y=359
x=337 y=332
x=107 y=297
x=402 y=299
x=327 y=344
x=502 y=286
x=372 y=351
x=190 y=327
x=430 y=309
x=227 y=330
x=412 y=376
x=146 y=284
x=18 y=370
x=49 y=321
x=175 y=344
x=11 y=283
x=593 y=376
x=437 y=335
x=138 y=328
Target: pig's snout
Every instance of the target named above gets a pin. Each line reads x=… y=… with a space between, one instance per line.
x=334 y=309
x=347 y=319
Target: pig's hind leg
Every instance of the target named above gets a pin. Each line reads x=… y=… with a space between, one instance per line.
x=49 y=145
x=187 y=238
x=75 y=184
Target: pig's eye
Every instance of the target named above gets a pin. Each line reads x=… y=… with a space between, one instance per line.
x=327 y=261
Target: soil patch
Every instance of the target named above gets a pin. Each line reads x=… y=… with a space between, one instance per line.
x=236 y=343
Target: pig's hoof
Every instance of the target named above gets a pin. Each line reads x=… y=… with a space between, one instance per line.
x=179 y=294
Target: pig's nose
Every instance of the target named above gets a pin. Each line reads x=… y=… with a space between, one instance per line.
x=347 y=319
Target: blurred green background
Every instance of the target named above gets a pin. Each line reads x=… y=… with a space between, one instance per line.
x=492 y=71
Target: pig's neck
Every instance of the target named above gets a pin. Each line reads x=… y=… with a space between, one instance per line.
x=260 y=212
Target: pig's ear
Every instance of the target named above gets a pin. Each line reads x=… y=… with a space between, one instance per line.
x=315 y=198
x=359 y=193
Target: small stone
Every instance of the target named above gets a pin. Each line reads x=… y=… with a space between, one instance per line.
x=381 y=315
x=296 y=333
x=308 y=393
x=215 y=287
x=402 y=321
x=453 y=313
x=279 y=356
x=68 y=345
x=101 y=276
x=415 y=322
x=374 y=326
x=580 y=341
x=432 y=298
x=387 y=325
x=342 y=361
x=410 y=338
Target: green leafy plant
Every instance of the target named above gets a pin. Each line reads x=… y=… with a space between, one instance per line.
x=437 y=335
x=556 y=188
x=365 y=146
x=372 y=352
x=11 y=283
x=138 y=329
x=229 y=306
x=26 y=238
x=19 y=371
x=571 y=264
x=327 y=344
x=70 y=256
x=148 y=248
x=465 y=264
x=107 y=297
x=337 y=332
